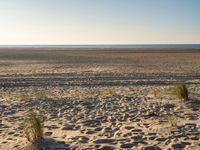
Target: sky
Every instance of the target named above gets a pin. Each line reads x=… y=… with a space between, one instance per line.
x=99 y=22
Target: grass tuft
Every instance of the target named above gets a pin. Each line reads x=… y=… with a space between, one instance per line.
x=172 y=120
x=33 y=127
x=40 y=95
x=181 y=91
x=24 y=96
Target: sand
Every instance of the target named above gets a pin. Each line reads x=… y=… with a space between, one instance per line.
x=101 y=98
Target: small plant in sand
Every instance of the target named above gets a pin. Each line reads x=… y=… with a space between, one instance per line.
x=181 y=91
x=87 y=94
x=155 y=93
x=23 y=96
x=33 y=127
x=111 y=92
x=40 y=95
x=107 y=92
x=172 y=120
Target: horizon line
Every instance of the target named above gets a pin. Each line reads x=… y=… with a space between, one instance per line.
x=97 y=44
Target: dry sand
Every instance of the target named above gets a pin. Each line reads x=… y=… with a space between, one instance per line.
x=101 y=99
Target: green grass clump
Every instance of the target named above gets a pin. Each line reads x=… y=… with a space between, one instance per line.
x=181 y=91
x=33 y=127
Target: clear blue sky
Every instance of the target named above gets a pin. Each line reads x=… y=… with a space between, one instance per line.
x=99 y=21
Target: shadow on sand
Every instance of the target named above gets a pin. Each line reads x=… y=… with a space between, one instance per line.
x=47 y=144
x=194 y=101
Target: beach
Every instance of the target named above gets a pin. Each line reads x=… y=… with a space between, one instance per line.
x=101 y=98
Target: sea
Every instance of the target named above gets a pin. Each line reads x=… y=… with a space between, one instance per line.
x=111 y=46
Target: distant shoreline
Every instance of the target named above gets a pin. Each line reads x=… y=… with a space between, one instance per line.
x=109 y=46
x=95 y=51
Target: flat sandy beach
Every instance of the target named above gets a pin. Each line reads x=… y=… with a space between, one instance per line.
x=101 y=98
